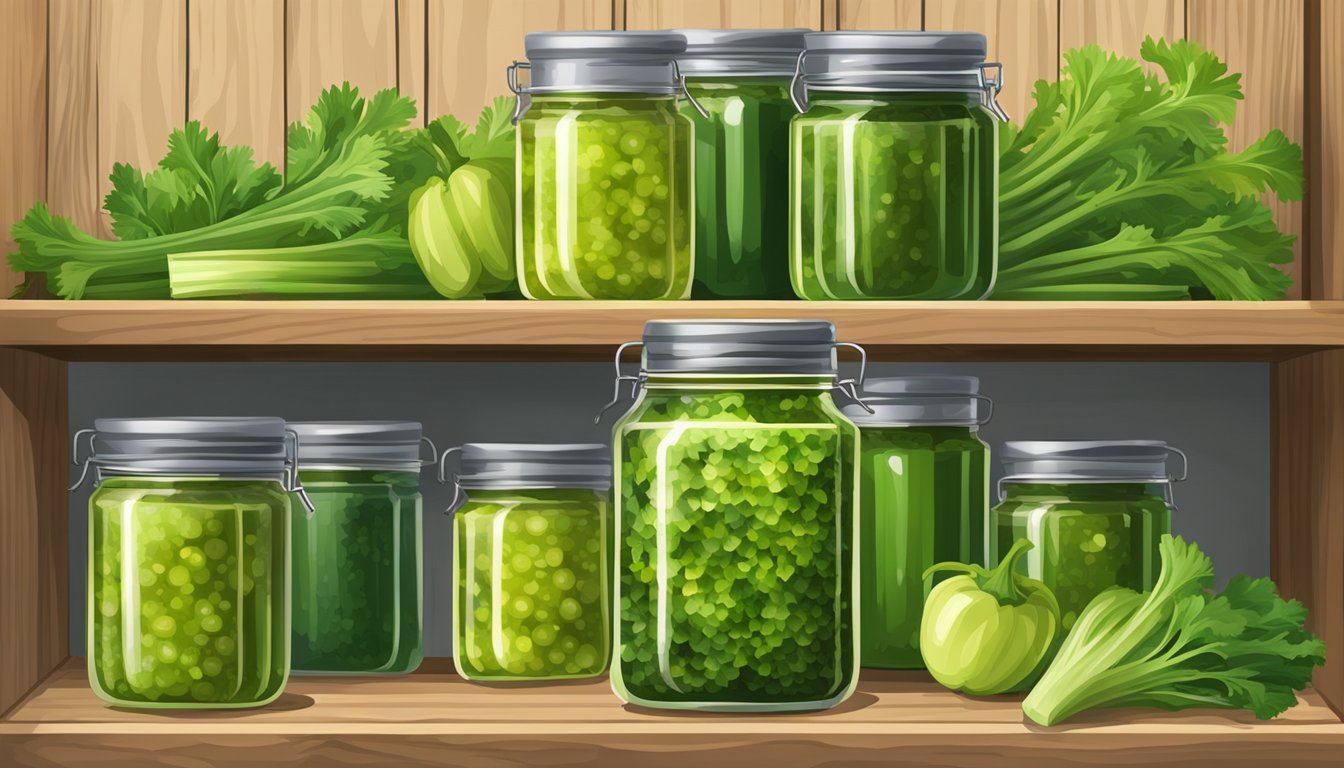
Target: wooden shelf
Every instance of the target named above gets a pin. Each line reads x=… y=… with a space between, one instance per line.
x=433 y=717
x=167 y=330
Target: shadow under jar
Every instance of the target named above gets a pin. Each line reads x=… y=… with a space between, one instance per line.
x=357 y=558
x=189 y=561
x=735 y=521
x=1094 y=509
x=894 y=167
x=531 y=574
x=604 y=168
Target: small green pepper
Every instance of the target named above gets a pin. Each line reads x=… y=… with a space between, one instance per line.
x=987 y=632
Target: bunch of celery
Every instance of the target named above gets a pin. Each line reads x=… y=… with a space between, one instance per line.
x=1119 y=185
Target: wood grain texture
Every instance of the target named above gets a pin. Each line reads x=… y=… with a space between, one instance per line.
x=412 y=64
x=236 y=73
x=23 y=121
x=1119 y=25
x=472 y=43
x=142 y=81
x=72 y=96
x=880 y=14
x=515 y=328
x=33 y=521
x=664 y=14
x=1023 y=34
x=1264 y=41
x=1307 y=534
x=438 y=719
x=1325 y=149
x=332 y=41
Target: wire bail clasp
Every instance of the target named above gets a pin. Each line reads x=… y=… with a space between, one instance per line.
x=686 y=91
x=851 y=387
x=797 y=88
x=635 y=381
x=74 y=456
x=520 y=92
x=292 y=471
x=442 y=476
x=991 y=86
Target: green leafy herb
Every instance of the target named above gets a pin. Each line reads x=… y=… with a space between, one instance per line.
x=1181 y=646
x=1119 y=186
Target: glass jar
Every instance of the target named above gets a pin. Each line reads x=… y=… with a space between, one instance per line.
x=923 y=500
x=734 y=521
x=357 y=558
x=189 y=561
x=894 y=167
x=604 y=167
x=1095 y=511
x=531 y=574
x=741 y=78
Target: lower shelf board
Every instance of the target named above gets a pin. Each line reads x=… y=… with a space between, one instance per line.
x=434 y=717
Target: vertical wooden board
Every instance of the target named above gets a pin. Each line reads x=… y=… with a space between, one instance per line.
x=1023 y=34
x=880 y=14
x=72 y=138
x=471 y=44
x=34 y=624
x=142 y=81
x=1119 y=25
x=1264 y=41
x=332 y=41
x=412 y=50
x=236 y=73
x=662 y=14
x=23 y=121
x=1307 y=533
x=1325 y=150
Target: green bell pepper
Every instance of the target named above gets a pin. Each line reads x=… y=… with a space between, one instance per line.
x=987 y=632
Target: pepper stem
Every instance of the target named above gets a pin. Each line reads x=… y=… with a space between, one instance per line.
x=1000 y=581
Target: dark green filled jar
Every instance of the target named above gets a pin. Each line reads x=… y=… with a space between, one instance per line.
x=604 y=168
x=531 y=574
x=188 y=603
x=357 y=558
x=741 y=78
x=923 y=500
x=735 y=521
x=894 y=167
x=1094 y=509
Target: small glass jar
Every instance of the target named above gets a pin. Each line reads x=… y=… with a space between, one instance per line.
x=734 y=521
x=741 y=78
x=604 y=167
x=531 y=574
x=894 y=167
x=1094 y=509
x=357 y=558
x=923 y=500
x=189 y=561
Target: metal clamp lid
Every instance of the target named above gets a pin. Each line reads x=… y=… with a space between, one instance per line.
x=1060 y=462
x=516 y=466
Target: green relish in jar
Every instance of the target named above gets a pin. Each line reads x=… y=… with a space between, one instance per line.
x=1095 y=511
x=531 y=568
x=735 y=521
x=894 y=167
x=604 y=162
x=189 y=561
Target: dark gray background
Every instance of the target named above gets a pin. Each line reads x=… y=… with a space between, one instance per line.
x=1217 y=412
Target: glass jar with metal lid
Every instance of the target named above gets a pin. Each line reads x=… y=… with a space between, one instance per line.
x=531 y=566
x=1094 y=509
x=188 y=602
x=923 y=500
x=735 y=520
x=604 y=167
x=741 y=78
x=894 y=167
x=357 y=559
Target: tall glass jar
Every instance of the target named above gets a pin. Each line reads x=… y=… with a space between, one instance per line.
x=741 y=78
x=923 y=499
x=189 y=561
x=531 y=573
x=357 y=558
x=1094 y=509
x=735 y=521
x=604 y=168
x=894 y=167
